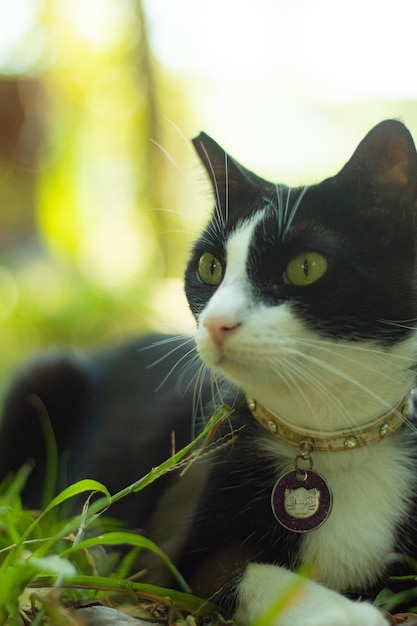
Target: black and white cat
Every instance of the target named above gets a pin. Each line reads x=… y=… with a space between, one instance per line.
x=305 y=300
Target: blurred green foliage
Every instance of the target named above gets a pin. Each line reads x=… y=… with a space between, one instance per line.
x=93 y=208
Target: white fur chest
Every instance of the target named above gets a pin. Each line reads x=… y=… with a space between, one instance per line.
x=372 y=488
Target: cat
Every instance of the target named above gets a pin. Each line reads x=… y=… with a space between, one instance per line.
x=305 y=301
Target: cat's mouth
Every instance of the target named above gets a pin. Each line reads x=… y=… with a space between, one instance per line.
x=255 y=356
x=242 y=364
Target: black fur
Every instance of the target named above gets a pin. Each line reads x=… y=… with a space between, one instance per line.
x=363 y=222
x=105 y=410
x=109 y=420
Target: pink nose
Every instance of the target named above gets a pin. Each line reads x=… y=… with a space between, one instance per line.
x=220 y=328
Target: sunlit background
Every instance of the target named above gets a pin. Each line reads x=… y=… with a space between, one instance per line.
x=100 y=192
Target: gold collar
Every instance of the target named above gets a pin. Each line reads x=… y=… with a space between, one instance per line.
x=335 y=440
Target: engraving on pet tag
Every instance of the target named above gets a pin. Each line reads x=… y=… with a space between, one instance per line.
x=301 y=500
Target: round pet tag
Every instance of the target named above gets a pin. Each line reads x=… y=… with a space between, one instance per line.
x=301 y=500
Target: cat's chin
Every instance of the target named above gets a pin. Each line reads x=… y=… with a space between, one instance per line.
x=236 y=369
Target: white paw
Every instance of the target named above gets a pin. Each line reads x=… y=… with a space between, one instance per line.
x=350 y=614
x=298 y=601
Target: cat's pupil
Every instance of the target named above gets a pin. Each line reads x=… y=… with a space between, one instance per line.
x=305 y=267
x=209 y=269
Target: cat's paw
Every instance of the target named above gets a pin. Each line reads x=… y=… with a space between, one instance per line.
x=301 y=601
x=339 y=614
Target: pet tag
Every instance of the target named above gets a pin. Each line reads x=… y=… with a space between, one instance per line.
x=301 y=500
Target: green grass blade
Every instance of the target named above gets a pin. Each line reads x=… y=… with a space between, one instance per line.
x=119 y=538
x=181 y=601
x=71 y=491
x=50 y=447
x=220 y=415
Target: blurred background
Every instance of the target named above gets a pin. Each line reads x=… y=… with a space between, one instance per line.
x=101 y=194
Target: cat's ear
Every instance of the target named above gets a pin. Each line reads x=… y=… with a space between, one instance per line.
x=228 y=177
x=387 y=157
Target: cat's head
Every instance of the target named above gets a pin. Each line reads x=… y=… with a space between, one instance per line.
x=282 y=276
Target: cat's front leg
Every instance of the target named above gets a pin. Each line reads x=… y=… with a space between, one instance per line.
x=307 y=603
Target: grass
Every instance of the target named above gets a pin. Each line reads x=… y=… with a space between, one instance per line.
x=50 y=563
x=45 y=551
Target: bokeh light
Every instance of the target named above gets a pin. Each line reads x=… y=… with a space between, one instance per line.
x=100 y=191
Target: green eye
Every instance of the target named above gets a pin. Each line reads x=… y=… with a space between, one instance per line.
x=306 y=268
x=210 y=269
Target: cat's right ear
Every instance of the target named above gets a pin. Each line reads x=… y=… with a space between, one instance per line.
x=387 y=158
x=227 y=176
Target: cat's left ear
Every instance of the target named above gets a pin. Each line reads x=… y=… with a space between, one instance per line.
x=228 y=177
x=388 y=156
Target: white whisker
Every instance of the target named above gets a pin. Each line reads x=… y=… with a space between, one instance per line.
x=226 y=175
x=280 y=214
x=218 y=211
x=286 y=213
x=173 y=368
x=327 y=391
x=289 y=219
x=180 y=133
x=410 y=324
x=293 y=383
x=329 y=347
x=165 y=341
x=172 y=160
x=331 y=368
x=198 y=400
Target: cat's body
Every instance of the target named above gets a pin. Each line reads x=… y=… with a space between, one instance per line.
x=305 y=300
